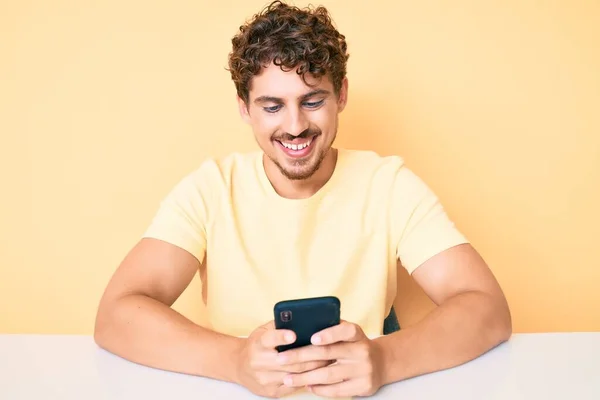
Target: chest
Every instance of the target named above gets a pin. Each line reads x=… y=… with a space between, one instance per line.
x=262 y=253
x=298 y=238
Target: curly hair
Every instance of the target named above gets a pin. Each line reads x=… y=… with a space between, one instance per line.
x=288 y=37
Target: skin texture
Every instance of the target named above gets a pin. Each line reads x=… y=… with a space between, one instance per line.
x=282 y=107
x=135 y=319
x=472 y=318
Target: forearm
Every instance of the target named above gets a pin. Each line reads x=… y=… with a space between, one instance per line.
x=145 y=331
x=461 y=329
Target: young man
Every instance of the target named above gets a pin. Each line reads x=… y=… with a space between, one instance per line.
x=299 y=219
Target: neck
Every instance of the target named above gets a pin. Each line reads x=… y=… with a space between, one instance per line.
x=301 y=189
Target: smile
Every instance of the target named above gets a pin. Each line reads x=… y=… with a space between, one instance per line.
x=297 y=149
x=294 y=146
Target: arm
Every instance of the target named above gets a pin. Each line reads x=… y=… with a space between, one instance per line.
x=135 y=319
x=472 y=314
x=472 y=317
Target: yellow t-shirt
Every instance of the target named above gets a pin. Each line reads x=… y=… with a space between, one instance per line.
x=260 y=248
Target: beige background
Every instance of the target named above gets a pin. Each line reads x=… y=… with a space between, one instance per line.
x=105 y=105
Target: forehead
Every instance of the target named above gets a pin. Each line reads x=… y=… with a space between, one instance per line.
x=273 y=81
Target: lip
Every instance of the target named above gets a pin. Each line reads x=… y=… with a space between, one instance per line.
x=297 y=153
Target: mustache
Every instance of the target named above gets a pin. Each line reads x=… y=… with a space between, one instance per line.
x=304 y=135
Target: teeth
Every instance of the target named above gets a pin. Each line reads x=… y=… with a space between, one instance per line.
x=296 y=146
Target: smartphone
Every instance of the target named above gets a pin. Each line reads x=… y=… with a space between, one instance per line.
x=306 y=317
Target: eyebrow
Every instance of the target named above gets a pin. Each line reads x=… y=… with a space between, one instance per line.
x=279 y=100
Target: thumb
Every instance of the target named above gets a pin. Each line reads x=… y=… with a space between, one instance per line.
x=268 y=325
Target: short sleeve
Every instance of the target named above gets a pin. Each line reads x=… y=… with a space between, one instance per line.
x=424 y=228
x=182 y=216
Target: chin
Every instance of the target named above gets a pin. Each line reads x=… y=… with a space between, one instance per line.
x=298 y=174
x=298 y=170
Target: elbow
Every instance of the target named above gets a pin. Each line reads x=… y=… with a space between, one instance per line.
x=507 y=326
x=502 y=321
x=495 y=319
x=504 y=331
x=99 y=336
x=102 y=327
x=110 y=326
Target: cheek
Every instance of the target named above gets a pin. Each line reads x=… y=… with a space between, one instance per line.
x=264 y=127
x=323 y=120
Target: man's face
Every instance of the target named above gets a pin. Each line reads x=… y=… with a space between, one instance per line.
x=294 y=124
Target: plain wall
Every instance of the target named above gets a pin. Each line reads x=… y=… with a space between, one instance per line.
x=104 y=106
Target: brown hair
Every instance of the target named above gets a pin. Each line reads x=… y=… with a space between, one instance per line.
x=289 y=37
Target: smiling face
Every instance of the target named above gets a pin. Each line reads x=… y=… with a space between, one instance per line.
x=295 y=124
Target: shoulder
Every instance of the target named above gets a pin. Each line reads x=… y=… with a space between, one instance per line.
x=392 y=166
x=389 y=171
x=212 y=178
x=369 y=159
x=390 y=181
x=369 y=164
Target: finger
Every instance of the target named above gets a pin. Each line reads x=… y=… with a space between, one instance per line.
x=305 y=366
x=268 y=325
x=283 y=391
x=271 y=385
x=350 y=388
x=343 y=332
x=314 y=353
x=271 y=338
x=266 y=360
x=323 y=376
x=271 y=378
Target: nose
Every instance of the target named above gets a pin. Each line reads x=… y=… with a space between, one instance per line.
x=295 y=122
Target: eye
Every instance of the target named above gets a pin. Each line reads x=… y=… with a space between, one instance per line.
x=272 y=109
x=314 y=104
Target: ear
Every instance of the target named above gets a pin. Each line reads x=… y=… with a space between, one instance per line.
x=343 y=96
x=243 y=108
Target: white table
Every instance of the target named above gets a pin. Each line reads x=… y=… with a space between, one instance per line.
x=529 y=366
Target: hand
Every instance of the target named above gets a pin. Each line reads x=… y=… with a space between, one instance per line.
x=258 y=369
x=355 y=372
